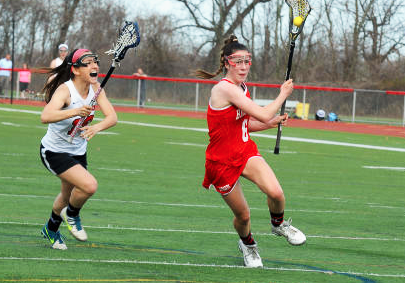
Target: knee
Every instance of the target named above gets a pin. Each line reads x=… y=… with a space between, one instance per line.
x=90 y=187
x=277 y=194
x=243 y=218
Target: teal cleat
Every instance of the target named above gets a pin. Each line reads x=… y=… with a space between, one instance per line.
x=56 y=238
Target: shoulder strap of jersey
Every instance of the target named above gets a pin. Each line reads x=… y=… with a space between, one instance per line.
x=227 y=81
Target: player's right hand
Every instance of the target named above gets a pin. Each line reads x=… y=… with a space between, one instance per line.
x=84 y=111
x=287 y=88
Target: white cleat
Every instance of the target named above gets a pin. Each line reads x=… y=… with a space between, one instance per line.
x=74 y=226
x=293 y=235
x=251 y=255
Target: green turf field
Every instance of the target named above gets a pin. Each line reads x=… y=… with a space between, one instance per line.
x=151 y=221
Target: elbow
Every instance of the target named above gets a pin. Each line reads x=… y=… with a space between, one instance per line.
x=44 y=119
x=264 y=118
x=114 y=120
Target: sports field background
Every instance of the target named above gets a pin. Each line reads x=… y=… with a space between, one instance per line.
x=151 y=221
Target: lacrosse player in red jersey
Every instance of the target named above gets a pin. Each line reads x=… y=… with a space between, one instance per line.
x=231 y=153
x=68 y=96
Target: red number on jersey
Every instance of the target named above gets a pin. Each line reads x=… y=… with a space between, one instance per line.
x=85 y=123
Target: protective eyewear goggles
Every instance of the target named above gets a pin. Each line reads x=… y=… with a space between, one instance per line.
x=86 y=60
x=238 y=60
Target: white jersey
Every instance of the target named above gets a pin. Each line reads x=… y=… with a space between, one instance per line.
x=56 y=138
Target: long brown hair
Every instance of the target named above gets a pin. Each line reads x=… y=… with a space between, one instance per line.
x=58 y=76
x=231 y=45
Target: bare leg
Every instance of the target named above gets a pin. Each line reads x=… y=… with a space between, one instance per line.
x=237 y=202
x=62 y=198
x=78 y=185
x=259 y=172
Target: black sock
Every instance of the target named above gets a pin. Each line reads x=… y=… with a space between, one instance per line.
x=277 y=218
x=248 y=240
x=54 y=222
x=72 y=211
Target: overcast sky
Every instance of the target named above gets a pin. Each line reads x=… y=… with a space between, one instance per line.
x=163 y=7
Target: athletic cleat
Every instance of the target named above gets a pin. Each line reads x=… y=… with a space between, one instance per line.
x=251 y=255
x=74 y=226
x=294 y=236
x=56 y=238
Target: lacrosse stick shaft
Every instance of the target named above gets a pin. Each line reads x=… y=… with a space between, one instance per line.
x=287 y=77
x=93 y=101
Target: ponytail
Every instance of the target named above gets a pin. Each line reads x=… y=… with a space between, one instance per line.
x=58 y=76
x=230 y=46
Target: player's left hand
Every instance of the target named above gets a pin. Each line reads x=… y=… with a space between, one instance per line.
x=273 y=123
x=88 y=132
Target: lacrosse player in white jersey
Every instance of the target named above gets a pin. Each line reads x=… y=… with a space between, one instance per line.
x=68 y=96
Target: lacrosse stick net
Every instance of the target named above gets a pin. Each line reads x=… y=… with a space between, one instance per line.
x=298 y=8
x=129 y=38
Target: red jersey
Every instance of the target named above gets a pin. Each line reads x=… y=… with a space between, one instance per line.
x=230 y=146
x=229 y=135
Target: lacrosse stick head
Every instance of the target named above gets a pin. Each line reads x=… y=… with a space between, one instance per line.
x=128 y=38
x=298 y=8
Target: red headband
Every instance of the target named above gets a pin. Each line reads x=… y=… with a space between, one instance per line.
x=78 y=53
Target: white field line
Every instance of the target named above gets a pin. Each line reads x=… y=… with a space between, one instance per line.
x=372 y=205
x=385 y=168
x=16 y=178
x=10 y=124
x=107 y=133
x=132 y=171
x=20 y=110
x=115 y=227
x=125 y=261
x=205 y=145
x=204 y=130
x=273 y=137
x=178 y=204
x=187 y=144
x=12 y=154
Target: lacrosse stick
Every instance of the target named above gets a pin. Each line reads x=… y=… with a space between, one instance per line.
x=128 y=38
x=301 y=9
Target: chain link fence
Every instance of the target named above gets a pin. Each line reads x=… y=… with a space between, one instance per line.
x=351 y=105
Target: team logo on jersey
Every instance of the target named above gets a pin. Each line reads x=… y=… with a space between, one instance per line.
x=225 y=188
x=239 y=114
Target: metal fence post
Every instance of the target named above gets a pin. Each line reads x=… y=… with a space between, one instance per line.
x=197 y=90
x=403 y=119
x=138 y=99
x=354 y=106
x=17 y=85
x=304 y=94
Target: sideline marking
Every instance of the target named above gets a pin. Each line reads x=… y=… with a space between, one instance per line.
x=252 y=134
x=200 y=265
x=114 y=227
x=385 y=168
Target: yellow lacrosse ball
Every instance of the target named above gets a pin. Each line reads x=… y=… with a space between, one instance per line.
x=298 y=21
